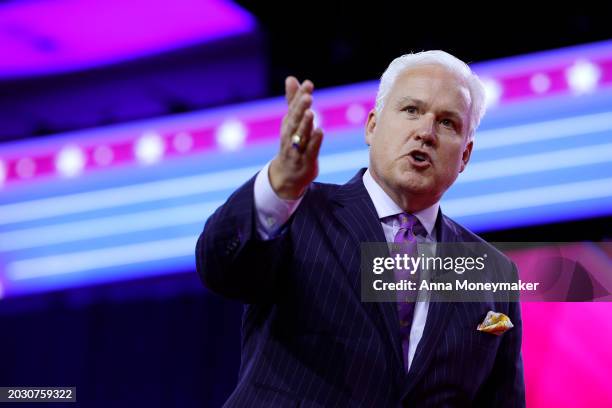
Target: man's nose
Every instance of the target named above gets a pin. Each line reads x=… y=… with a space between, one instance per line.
x=427 y=129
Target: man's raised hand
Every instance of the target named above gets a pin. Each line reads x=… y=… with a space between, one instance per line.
x=295 y=167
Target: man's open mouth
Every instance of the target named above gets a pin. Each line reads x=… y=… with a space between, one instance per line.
x=420 y=158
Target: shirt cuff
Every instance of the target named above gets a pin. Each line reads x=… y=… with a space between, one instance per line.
x=271 y=211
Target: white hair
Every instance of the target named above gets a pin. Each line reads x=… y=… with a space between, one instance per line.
x=446 y=60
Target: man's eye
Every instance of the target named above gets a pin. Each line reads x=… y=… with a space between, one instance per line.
x=411 y=110
x=447 y=123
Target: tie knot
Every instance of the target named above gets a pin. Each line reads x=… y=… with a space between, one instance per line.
x=407 y=220
x=410 y=227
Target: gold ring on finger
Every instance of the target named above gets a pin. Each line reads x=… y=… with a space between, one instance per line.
x=296 y=141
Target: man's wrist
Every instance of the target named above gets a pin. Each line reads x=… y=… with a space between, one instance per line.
x=283 y=188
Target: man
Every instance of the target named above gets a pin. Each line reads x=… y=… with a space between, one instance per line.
x=290 y=249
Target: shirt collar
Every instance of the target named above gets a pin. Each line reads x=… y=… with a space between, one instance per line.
x=386 y=207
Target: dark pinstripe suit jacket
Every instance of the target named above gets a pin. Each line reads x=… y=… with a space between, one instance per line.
x=309 y=341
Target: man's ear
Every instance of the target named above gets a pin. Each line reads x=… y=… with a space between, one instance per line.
x=467 y=153
x=370 y=126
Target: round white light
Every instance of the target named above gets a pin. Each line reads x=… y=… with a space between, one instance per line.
x=182 y=142
x=356 y=114
x=231 y=135
x=540 y=83
x=25 y=167
x=493 y=91
x=583 y=76
x=150 y=148
x=70 y=161
x=103 y=155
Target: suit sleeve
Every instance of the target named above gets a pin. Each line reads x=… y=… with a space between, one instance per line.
x=271 y=211
x=232 y=260
x=505 y=386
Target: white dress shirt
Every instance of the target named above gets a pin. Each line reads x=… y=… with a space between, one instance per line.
x=272 y=212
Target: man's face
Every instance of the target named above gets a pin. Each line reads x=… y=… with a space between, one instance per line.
x=418 y=143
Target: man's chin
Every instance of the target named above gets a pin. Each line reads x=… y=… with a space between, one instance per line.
x=412 y=181
x=416 y=187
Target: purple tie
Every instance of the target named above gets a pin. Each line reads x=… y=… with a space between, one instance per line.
x=410 y=227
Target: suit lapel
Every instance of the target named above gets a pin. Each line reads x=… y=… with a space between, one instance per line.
x=357 y=214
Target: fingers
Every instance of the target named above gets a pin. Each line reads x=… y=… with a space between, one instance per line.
x=305 y=88
x=304 y=130
x=298 y=120
x=291 y=87
x=302 y=101
x=314 y=144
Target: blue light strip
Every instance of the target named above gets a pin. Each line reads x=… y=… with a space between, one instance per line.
x=544 y=161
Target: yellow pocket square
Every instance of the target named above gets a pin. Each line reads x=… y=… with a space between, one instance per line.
x=495 y=323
